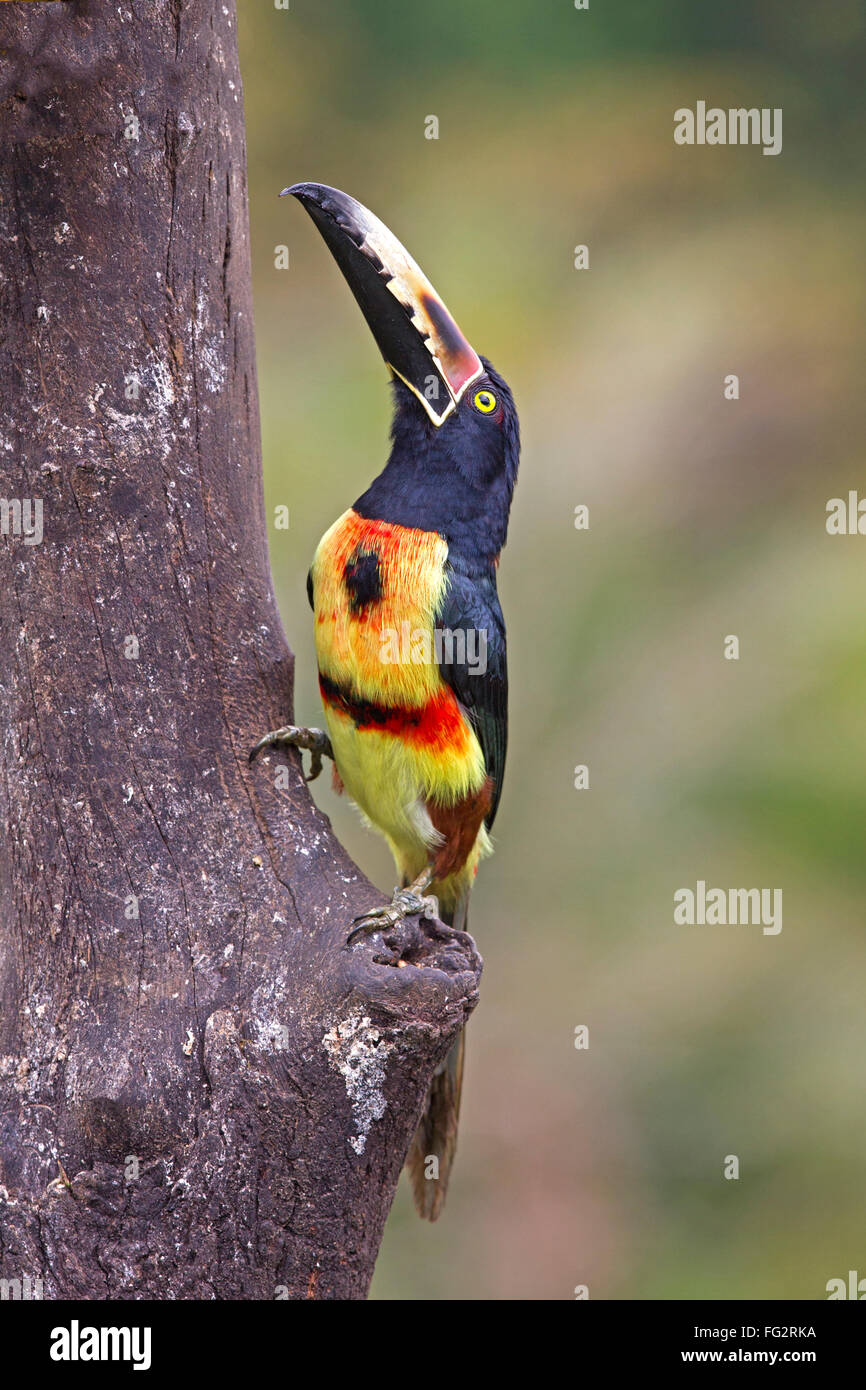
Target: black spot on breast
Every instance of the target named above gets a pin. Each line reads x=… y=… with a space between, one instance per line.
x=363 y=579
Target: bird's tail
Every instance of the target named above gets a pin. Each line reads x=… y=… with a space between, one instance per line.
x=431 y=1153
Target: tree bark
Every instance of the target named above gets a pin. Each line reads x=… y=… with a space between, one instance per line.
x=204 y=1093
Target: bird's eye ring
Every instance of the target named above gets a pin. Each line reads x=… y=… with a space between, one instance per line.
x=485 y=401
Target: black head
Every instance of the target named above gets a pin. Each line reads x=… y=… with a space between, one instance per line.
x=456 y=478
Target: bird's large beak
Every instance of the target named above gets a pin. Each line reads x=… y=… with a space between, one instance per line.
x=417 y=336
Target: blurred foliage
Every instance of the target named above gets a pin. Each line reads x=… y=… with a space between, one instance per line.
x=605 y=1166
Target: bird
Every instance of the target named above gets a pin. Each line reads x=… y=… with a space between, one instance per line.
x=409 y=632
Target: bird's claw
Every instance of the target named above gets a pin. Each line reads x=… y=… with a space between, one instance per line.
x=314 y=741
x=404 y=903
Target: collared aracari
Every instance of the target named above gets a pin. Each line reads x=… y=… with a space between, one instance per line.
x=410 y=639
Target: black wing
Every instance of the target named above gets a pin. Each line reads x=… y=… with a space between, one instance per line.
x=471 y=637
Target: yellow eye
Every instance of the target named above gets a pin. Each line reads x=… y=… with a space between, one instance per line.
x=485 y=401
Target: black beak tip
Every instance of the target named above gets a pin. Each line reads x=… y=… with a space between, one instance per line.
x=305 y=192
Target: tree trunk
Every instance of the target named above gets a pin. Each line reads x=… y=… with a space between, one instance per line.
x=204 y=1093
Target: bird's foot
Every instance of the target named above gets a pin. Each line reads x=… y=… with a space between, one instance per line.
x=406 y=902
x=315 y=741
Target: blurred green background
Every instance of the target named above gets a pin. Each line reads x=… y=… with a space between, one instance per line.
x=604 y=1167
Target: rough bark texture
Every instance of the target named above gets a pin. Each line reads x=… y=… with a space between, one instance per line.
x=213 y=1098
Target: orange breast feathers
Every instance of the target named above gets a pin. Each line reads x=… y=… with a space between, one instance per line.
x=376 y=589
